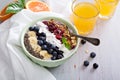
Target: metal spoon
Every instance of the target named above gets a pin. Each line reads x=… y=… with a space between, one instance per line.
x=94 y=41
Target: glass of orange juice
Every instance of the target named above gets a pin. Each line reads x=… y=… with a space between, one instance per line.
x=84 y=15
x=107 y=8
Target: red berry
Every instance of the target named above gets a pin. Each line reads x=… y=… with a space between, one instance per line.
x=62 y=31
x=57 y=31
x=45 y=22
x=59 y=37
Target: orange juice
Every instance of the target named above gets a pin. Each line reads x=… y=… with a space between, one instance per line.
x=107 y=8
x=84 y=17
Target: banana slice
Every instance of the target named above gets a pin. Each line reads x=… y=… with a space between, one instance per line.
x=33 y=40
x=31 y=34
x=37 y=48
x=45 y=54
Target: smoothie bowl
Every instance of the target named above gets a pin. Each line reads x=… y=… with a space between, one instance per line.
x=48 y=41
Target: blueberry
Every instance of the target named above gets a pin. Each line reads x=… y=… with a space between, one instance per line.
x=41 y=38
x=40 y=42
x=48 y=44
x=86 y=63
x=45 y=42
x=55 y=47
x=50 y=51
x=59 y=56
x=83 y=41
x=92 y=54
x=95 y=65
x=31 y=28
x=44 y=47
x=60 y=52
x=54 y=53
x=36 y=29
x=38 y=34
x=43 y=34
x=53 y=58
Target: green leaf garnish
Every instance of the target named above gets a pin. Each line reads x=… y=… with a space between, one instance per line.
x=22 y=2
x=65 y=42
x=15 y=6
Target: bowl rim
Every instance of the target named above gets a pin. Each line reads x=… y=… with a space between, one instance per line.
x=65 y=21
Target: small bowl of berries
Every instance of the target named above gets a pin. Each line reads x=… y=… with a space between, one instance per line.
x=49 y=42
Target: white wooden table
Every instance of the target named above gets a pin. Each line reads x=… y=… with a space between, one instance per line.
x=108 y=54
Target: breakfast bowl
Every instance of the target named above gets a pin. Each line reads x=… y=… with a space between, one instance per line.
x=46 y=42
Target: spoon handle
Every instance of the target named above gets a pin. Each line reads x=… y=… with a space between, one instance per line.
x=94 y=41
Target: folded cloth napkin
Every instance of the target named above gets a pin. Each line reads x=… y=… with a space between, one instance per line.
x=14 y=65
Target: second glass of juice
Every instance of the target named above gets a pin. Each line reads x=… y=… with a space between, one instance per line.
x=84 y=15
x=107 y=8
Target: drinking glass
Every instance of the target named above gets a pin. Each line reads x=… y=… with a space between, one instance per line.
x=107 y=8
x=84 y=15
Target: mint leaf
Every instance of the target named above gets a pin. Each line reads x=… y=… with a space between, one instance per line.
x=67 y=46
x=14 y=7
x=65 y=42
x=22 y=2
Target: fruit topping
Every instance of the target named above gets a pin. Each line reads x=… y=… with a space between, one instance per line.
x=31 y=28
x=32 y=40
x=50 y=40
x=53 y=58
x=50 y=51
x=40 y=42
x=59 y=56
x=44 y=47
x=54 y=53
x=60 y=52
x=42 y=34
x=41 y=38
x=31 y=34
x=48 y=44
x=58 y=36
x=36 y=29
x=62 y=33
x=45 y=54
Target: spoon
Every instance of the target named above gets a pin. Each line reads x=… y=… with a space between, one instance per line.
x=94 y=41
